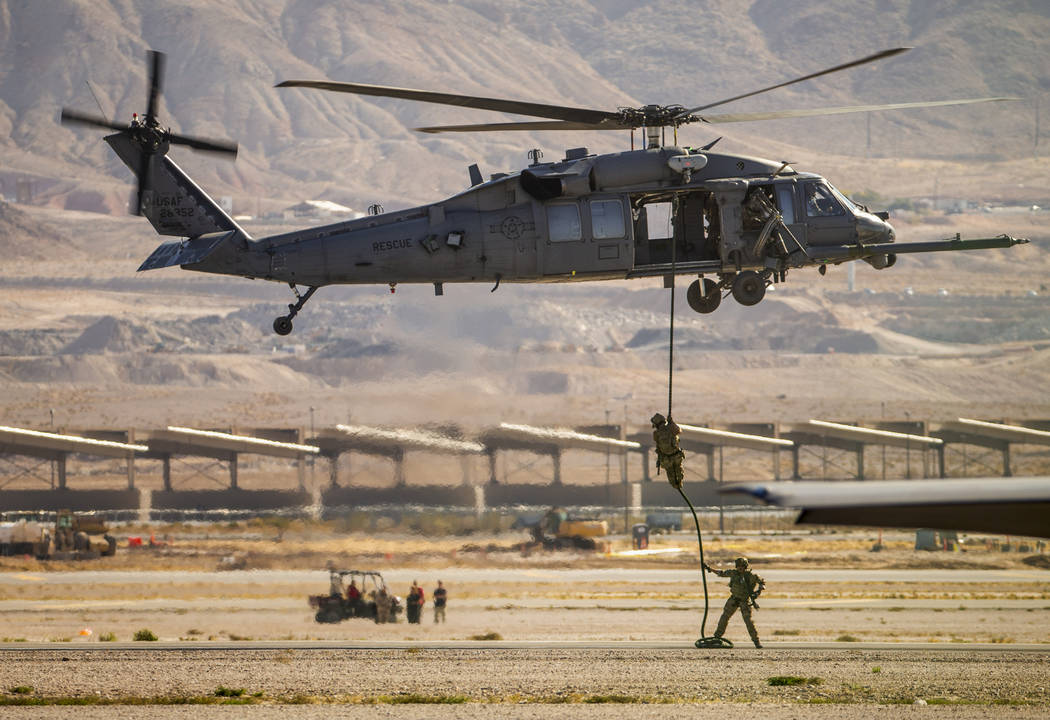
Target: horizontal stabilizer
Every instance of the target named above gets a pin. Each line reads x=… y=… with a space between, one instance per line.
x=185 y=252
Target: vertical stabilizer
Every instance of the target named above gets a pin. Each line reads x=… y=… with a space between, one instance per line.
x=174 y=204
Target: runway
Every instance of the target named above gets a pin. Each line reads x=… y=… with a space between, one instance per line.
x=505 y=646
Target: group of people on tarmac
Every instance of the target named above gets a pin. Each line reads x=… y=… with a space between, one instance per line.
x=417 y=598
x=385 y=603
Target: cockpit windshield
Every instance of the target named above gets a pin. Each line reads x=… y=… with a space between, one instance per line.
x=850 y=205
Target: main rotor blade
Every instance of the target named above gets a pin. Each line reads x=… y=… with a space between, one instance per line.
x=778 y=114
x=862 y=61
x=556 y=112
x=204 y=144
x=535 y=125
x=156 y=81
x=75 y=117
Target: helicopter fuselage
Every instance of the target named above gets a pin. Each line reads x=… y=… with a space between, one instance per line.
x=644 y=213
x=585 y=218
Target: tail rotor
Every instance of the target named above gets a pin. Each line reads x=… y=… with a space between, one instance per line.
x=147 y=133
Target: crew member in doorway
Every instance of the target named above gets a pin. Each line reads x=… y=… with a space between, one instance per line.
x=440 y=599
x=744 y=589
x=668 y=455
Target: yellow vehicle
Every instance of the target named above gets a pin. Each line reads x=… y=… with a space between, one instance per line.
x=76 y=537
x=557 y=531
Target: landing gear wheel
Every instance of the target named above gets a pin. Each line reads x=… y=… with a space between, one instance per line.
x=749 y=288
x=282 y=325
x=706 y=302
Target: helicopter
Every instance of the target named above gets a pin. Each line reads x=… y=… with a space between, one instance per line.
x=737 y=223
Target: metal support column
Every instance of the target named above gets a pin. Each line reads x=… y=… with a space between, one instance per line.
x=860 y=461
x=165 y=470
x=300 y=460
x=795 y=475
x=1007 y=470
x=60 y=463
x=131 y=461
x=466 y=463
x=556 y=460
x=333 y=470
x=492 y=467
x=711 y=465
x=644 y=454
x=233 y=471
x=940 y=460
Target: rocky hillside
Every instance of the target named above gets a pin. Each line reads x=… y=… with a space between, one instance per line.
x=224 y=58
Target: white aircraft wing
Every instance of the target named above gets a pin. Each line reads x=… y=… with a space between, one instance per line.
x=1005 y=506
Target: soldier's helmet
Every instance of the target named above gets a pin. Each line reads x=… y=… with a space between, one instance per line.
x=741 y=563
x=657 y=419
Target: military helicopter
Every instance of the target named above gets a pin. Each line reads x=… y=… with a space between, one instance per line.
x=743 y=220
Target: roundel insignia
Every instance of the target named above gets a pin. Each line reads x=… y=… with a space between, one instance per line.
x=512 y=227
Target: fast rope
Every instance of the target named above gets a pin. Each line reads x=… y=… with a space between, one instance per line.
x=704 y=640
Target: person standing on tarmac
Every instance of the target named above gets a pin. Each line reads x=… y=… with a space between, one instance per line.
x=744 y=589
x=669 y=455
x=415 y=603
x=440 y=599
x=382 y=605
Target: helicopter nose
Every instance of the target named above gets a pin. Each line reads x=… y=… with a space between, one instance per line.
x=874 y=230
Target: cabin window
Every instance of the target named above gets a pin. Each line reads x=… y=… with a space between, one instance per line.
x=607 y=219
x=820 y=202
x=786 y=200
x=563 y=223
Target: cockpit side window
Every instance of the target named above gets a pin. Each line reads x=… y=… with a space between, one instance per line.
x=821 y=202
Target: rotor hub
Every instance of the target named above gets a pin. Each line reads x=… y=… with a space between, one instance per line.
x=655 y=116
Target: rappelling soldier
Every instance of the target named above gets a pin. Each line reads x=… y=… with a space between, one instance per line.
x=668 y=455
x=744 y=589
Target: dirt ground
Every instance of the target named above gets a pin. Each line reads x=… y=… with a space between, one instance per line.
x=982 y=618
x=820 y=589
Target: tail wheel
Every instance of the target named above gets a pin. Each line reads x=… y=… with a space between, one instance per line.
x=282 y=325
x=749 y=288
x=707 y=301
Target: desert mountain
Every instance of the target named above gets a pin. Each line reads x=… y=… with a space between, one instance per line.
x=224 y=59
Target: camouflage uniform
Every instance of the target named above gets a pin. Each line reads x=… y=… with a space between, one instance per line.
x=744 y=588
x=668 y=455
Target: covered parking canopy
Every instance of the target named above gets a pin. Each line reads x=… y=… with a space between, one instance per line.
x=388 y=442
x=57 y=447
x=993 y=435
x=175 y=440
x=549 y=441
x=853 y=438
